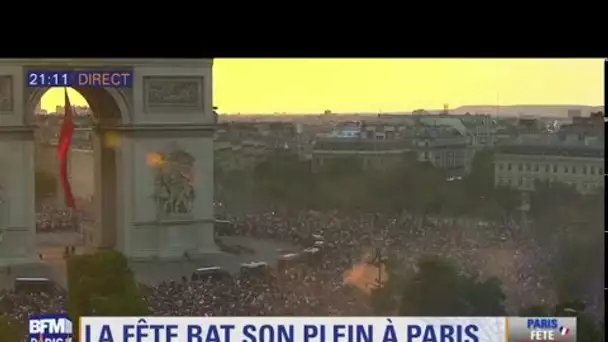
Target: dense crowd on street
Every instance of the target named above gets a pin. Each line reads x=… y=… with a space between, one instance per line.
x=488 y=249
x=20 y=305
x=292 y=293
x=53 y=217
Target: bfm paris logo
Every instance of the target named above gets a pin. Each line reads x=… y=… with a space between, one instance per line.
x=50 y=328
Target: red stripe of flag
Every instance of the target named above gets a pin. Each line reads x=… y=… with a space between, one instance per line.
x=65 y=140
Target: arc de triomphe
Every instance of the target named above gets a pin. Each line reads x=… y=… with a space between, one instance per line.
x=153 y=157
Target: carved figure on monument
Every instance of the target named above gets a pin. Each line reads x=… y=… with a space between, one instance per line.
x=6 y=93
x=174 y=189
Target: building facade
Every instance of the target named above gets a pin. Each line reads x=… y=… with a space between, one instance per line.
x=445 y=148
x=520 y=166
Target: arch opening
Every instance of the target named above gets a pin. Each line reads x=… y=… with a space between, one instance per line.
x=107 y=105
x=92 y=170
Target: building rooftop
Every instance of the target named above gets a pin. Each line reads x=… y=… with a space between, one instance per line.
x=360 y=145
x=554 y=150
x=439 y=131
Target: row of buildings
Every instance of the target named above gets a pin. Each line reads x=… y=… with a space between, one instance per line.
x=527 y=149
x=447 y=142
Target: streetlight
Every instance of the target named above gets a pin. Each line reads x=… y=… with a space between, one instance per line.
x=379 y=261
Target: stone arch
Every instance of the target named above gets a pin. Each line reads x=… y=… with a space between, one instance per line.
x=107 y=104
x=171 y=100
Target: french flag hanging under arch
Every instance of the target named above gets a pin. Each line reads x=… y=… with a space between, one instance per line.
x=65 y=140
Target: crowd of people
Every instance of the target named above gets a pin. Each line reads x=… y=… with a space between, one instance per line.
x=502 y=249
x=54 y=217
x=488 y=249
x=292 y=293
x=18 y=306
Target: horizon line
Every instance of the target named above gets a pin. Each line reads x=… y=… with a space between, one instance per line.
x=388 y=112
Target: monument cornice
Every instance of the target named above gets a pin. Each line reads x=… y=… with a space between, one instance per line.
x=21 y=131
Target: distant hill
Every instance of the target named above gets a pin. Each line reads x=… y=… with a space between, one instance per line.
x=534 y=110
x=515 y=110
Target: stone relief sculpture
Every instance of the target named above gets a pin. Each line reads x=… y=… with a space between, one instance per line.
x=174 y=192
x=173 y=92
x=6 y=94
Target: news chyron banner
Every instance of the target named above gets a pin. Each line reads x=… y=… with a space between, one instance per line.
x=556 y=329
x=312 y=329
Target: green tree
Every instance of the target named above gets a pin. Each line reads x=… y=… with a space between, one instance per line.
x=480 y=182
x=553 y=206
x=102 y=284
x=569 y=225
x=9 y=331
x=284 y=178
x=417 y=185
x=438 y=289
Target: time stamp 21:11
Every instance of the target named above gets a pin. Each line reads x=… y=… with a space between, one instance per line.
x=88 y=78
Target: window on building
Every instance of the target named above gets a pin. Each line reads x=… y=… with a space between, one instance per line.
x=592 y=169
x=573 y=169
x=547 y=168
x=584 y=169
x=500 y=166
x=528 y=167
x=554 y=167
x=536 y=167
x=565 y=168
x=521 y=181
x=520 y=167
x=509 y=167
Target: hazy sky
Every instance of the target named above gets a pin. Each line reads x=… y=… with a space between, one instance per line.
x=372 y=85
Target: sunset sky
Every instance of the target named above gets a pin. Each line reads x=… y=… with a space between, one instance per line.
x=391 y=85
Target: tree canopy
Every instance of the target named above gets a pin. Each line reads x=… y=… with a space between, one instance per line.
x=102 y=284
x=568 y=225
x=286 y=180
x=437 y=288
